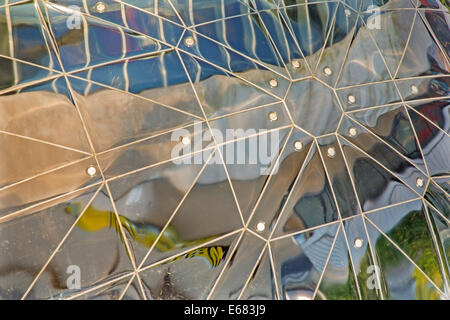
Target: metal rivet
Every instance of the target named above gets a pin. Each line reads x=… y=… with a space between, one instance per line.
x=296 y=64
x=100 y=7
x=347 y=12
x=351 y=99
x=327 y=71
x=419 y=182
x=273 y=83
x=189 y=41
x=331 y=152
x=273 y=116
x=185 y=140
x=260 y=226
x=358 y=243
x=414 y=89
x=91 y=171
x=298 y=145
x=352 y=131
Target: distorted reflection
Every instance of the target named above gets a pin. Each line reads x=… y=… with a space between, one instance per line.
x=93 y=220
x=315 y=139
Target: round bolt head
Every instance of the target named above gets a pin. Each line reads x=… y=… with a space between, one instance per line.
x=273 y=116
x=347 y=12
x=352 y=131
x=296 y=63
x=100 y=7
x=185 y=140
x=189 y=41
x=420 y=182
x=328 y=71
x=273 y=83
x=261 y=226
x=91 y=171
x=414 y=89
x=298 y=145
x=351 y=99
x=358 y=243
x=331 y=152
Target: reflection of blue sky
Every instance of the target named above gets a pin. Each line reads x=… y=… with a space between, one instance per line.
x=257 y=46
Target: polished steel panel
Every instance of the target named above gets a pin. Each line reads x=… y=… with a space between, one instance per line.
x=224 y=149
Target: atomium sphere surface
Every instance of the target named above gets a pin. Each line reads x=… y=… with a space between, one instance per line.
x=224 y=149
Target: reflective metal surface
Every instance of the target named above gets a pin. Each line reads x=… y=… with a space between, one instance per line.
x=224 y=149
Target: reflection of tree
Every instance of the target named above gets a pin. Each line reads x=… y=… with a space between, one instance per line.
x=347 y=291
x=412 y=235
x=341 y=291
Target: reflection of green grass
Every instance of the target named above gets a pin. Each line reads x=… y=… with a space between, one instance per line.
x=412 y=235
x=345 y=291
x=341 y=291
